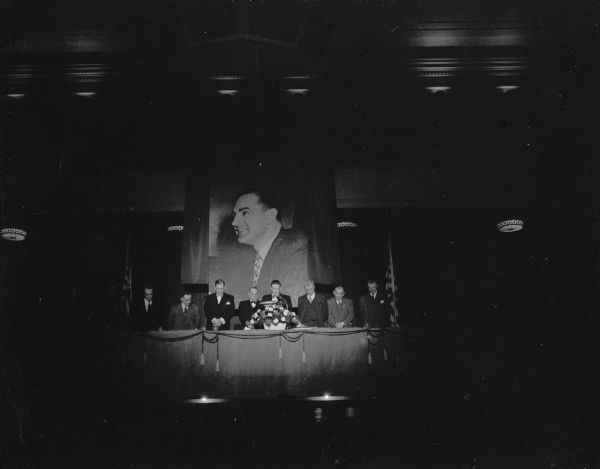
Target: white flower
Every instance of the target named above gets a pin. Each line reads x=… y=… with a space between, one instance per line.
x=282 y=319
x=252 y=321
x=293 y=314
x=269 y=315
x=286 y=312
x=255 y=315
x=275 y=321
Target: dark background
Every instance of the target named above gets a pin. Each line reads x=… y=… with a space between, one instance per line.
x=511 y=355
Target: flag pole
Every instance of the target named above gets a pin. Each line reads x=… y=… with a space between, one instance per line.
x=128 y=280
x=392 y=275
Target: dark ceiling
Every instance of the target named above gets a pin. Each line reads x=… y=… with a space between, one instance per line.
x=505 y=90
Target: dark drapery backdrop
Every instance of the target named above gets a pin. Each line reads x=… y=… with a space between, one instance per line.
x=194 y=252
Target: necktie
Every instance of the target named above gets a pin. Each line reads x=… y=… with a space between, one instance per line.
x=258 y=263
x=185 y=309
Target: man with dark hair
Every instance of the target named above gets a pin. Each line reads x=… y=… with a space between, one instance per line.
x=341 y=310
x=219 y=307
x=312 y=307
x=280 y=253
x=375 y=307
x=248 y=307
x=276 y=294
x=145 y=314
x=185 y=315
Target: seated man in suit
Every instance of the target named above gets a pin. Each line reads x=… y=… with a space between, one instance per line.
x=341 y=310
x=375 y=307
x=248 y=307
x=219 y=307
x=276 y=295
x=145 y=315
x=185 y=315
x=312 y=307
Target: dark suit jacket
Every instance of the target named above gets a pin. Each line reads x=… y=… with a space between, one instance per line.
x=320 y=303
x=245 y=310
x=376 y=311
x=286 y=261
x=213 y=309
x=283 y=297
x=342 y=313
x=178 y=320
x=143 y=320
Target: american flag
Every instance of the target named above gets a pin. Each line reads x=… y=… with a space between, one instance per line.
x=390 y=283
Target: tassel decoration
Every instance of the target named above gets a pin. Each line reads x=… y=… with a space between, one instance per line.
x=280 y=352
x=217 y=367
x=303 y=357
x=202 y=359
x=370 y=359
x=385 y=355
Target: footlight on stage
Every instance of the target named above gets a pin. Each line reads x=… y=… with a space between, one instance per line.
x=204 y=400
x=510 y=226
x=326 y=397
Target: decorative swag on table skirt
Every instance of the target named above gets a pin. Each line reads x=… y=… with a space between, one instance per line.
x=298 y=362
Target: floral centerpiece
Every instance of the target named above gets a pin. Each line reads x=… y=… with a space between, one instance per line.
x=272 y=315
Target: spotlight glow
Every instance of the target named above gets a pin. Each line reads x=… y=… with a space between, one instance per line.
x=175 y=228
x=85 y=94
x=15 y=95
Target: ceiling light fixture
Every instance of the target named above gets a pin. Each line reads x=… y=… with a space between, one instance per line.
x=438 y=89
x=297 y=91
x=507 y=88
x=13 y=234
x=510 y=226
x=347 y=224
x=228 y=92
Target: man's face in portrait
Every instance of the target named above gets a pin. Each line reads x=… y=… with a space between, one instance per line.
x=253 y=294
x=338 y=293
x=309 y=288
x=219 y=289
x=148 y=294
x=275 y=289
x=372 y=288
x=250 y=219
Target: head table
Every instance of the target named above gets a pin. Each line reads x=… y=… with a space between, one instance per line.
x=177 y=365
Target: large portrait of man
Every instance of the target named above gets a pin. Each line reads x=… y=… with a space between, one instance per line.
x=252 y=235
x=251 y=246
